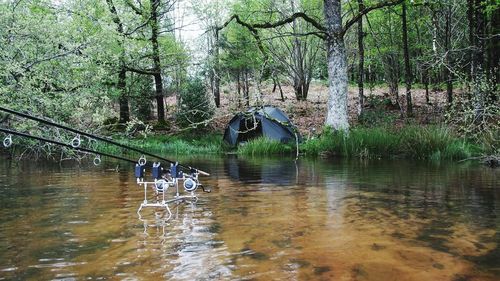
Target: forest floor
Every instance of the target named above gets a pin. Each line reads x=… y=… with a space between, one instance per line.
x=309 y=116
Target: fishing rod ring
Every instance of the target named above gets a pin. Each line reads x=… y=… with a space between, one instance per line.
x=7 y=142
x=76 y=142
x=97 y=160
x=142 y=161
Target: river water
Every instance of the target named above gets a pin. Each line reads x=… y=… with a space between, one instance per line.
x=265 y=219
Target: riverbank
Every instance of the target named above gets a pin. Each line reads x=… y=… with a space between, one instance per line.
x=410 y=142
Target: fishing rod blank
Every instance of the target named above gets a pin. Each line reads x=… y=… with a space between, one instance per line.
x=81 y=149
x=78 y=132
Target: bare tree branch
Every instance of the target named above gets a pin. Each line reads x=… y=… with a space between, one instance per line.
x=360 y=14
x=267 y=25
x=138 y=11
x=141 y=71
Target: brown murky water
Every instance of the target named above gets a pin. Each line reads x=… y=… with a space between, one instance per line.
x=264 y=220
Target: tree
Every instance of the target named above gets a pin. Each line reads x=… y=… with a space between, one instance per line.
x=154 y=15
x=57 y=61
x=361 y=54
x=290 y=50
x=122 y=72
x=408 y=75
x=333 y=33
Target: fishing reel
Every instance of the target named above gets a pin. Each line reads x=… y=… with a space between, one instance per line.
x=163 y=179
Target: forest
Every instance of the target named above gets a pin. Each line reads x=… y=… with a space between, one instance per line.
x=359 y=78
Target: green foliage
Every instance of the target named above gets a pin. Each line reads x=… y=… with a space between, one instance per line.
x=476 y=114
x=264 y=146
x=196 y=109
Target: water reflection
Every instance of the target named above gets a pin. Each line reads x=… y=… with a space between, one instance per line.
x=266 y=219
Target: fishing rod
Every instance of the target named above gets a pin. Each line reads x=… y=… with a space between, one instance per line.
x=81 y=149
x=190 y=182
x=38 y=119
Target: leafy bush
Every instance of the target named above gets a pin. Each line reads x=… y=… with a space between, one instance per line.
x=476 y=116
x=196 y=108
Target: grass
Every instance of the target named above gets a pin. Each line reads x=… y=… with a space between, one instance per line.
x=263 y=146
x=173 y=145
x=413 y=142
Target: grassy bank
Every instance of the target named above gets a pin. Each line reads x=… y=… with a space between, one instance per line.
x=172 y=145
x=411 y=142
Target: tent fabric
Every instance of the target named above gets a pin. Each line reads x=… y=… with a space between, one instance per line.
x=266 y=121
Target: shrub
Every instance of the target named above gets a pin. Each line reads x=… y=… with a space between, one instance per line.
x=195 y=109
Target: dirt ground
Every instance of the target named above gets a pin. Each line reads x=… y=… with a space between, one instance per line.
x=309 y=116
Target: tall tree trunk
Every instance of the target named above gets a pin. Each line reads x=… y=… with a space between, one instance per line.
x=246 y=89
x=392 y=75
x=238 y=85
x=337 y=110
x=361 y=67
x=216 y=71
x=478 y=61
x=300 y=88
x=472 y=42
x=494 y=50
x=277 y=83
x=122 y=84
x=408 y=75
x=122 y=73
x=156 y=60
x=447 y=47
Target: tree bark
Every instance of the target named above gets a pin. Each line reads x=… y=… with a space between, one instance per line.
x=246 y=89
x=361 y=67
x=156 y=61
x=216 y=71
x=426 y=84
x=337 y=110
x=408 y=75
x=472 y=44
x=124 y=105
x=238 y=85
x=447 y=46
x=478 y=61
x=122 y=73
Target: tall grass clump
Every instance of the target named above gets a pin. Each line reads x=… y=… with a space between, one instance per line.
x=359 y=142
x=264 y=146
x=435 y=143
x=414 y=142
